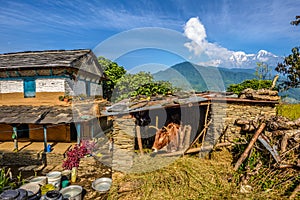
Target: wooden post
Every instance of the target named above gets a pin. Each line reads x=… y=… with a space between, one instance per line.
x=205 y=124
x=139 y=139
x=78 y=132
x=249 y=147
x=45 y=138
x=274 y=82
x=15 y=132
x=156 y=121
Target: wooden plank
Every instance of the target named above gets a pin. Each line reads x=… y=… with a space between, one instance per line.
x=139 y=139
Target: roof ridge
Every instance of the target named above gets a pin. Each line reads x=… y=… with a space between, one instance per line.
x=45 y=51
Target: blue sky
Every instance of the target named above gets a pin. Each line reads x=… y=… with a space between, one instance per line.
x=228 y=25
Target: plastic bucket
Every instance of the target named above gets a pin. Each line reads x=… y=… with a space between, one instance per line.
x=54 y=178
x=73 y=192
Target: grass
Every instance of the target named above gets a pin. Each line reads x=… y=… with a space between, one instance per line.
x=189 y=177
x=291 y=111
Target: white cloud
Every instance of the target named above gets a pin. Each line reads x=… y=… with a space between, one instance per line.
x=215 y=54
x=195 y=31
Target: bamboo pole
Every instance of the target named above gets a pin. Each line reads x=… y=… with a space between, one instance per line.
x=249 y=147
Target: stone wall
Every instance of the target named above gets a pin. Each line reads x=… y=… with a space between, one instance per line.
x=224 y=114
x=247 y=111
x=124 y=137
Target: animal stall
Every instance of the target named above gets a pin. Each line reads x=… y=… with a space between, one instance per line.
x=168 y=126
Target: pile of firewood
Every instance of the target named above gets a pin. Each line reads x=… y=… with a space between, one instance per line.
x=262 y=94
x=280 y=136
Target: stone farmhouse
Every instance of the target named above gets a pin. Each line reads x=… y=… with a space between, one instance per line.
x=32 y=87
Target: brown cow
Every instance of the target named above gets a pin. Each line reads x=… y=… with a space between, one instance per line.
x=167 y=136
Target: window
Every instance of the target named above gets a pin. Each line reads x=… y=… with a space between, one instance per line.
x=29 y=88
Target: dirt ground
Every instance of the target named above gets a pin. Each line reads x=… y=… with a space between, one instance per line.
x=89 y=169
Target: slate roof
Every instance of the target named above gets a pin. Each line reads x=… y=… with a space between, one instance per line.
x=159 y=102
x=51 y=58
x=40 y=115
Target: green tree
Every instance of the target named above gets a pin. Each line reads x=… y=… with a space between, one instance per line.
x=142 y=83
x=113 y=73
x=262 y=71
x=291 y=69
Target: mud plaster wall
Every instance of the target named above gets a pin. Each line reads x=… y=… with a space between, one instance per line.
x=6 y=132
x=57 y=133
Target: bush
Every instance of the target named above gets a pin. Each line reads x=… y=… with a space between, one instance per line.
x=76 y=153
x=142 y=83
x=253 y=84
x=155 y=88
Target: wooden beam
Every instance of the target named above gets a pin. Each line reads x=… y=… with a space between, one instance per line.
x=249 y=147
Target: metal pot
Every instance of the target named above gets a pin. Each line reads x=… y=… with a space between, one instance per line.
x=102 y=184
x=72 y=192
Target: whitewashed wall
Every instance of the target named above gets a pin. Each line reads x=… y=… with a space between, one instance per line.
x=50 y=85
x=75 y=87
x=96 y=89
x=9 y=86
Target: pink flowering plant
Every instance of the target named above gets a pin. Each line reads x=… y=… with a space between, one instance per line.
x=77 y=152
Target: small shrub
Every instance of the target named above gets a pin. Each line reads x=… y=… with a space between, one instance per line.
x=76 y=153
x=253 y=84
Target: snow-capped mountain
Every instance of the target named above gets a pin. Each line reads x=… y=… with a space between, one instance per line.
x=239 y=59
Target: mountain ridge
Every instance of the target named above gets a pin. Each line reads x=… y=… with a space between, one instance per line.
x=202 y=78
